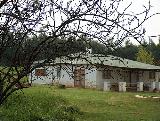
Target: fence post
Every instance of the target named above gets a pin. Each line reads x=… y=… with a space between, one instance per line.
x=152 y=86
x=107 y=86
x=122 y=86
x=139 y=86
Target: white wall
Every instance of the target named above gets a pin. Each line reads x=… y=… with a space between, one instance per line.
x=90 y=77
x=66 y=76
x=51 y=77
x=93 y=76
x=50 y=74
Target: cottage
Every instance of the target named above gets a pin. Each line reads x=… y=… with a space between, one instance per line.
x=93 y=70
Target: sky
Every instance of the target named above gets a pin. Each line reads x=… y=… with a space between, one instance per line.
x=152 y=25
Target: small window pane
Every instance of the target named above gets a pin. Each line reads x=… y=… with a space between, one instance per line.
x=40 y=72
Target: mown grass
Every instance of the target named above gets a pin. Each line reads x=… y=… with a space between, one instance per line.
x=45 y=101
x=100 y=106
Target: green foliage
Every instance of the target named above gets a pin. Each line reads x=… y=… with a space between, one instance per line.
x=61 y=86
x=66 y=113
x=37 y=105
x=155 y=49
x=64 y=46
x=144 y=56
x=128 y=51
x=57 y=47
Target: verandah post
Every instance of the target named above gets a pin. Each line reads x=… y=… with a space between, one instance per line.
x=139 y=86
x=107 y=86
x=122 y=86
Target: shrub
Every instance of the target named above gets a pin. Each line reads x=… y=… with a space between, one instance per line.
x=73 y=109
x=61 y=86
x=66 y=113
x=38 y=106
x=36 y=118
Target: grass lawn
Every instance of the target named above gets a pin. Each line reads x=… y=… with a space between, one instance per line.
x=43 y=101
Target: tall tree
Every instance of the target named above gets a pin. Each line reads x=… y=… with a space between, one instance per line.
x=128 y=51
x=144 y=56
x=20 y=19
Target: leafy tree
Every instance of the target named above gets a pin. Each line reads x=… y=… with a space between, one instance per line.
x=24 y=21
x=144 y=56
x=157 y=54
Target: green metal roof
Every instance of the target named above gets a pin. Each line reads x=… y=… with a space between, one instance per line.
x=108 y=60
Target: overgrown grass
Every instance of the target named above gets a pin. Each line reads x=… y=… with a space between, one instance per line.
x=46 y=103
x=38 y=104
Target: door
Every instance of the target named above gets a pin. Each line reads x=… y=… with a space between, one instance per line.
x=79 y=77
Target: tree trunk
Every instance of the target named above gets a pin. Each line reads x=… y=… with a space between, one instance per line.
x=1 y=91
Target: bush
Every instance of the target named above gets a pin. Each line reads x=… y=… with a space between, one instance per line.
x=73 y=109
x=36 y=118
x=38 y=106
x=67 y=113
x=61 y=86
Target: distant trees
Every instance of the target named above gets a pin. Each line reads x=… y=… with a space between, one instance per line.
x=157 y=55
x=143 y=53
x=147 y=52
x=61 y=47
x=155 y=50
x=144 y=56
x=79 y=44
x=127 y=51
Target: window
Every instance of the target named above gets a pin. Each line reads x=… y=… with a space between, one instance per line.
x=151 y=75
x=40 y=72
x=107 y=74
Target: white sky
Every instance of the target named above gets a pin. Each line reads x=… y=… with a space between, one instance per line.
x=153 y=24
